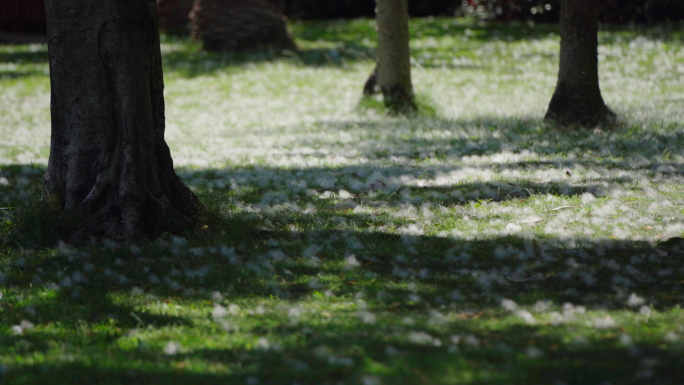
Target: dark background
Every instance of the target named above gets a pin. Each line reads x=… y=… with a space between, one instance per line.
x=29 y=15
x=612 y=11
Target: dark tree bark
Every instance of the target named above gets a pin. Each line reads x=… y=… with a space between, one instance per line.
x=110 y=171
x=241 y=25
x=394 y=55
x=577 y=99
x=174 y=16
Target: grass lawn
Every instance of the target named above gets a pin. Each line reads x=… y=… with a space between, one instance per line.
x=470 y=244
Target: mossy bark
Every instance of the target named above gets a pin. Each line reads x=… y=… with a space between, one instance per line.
x=110 y=172
x=394 y=56
x=577 y=99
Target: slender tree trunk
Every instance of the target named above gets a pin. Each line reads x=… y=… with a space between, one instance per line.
x=577 y=99
x=174 y=16
x=241 y=25
x=110 y=171
x=394 y=56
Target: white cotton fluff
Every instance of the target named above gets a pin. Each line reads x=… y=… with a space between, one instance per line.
x=605 y=323
x=509 y=304
x=422 y=338
x=263 y=344
x=351 y=263
x=534 y=352
x=171 y=348
x=367 y=317
x=371 y=380
x=526 y=316
x=542 y=306
x=587 y=198
x=635 y=300
x=512 y=228
x=311 y=251
x=671 y=337
x=625 y=339
x=219 y=312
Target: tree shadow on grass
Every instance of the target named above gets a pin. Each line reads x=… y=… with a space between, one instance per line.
x=260 y=251
x=317 y=348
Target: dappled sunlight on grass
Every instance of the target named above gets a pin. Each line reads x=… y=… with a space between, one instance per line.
x=469 y=245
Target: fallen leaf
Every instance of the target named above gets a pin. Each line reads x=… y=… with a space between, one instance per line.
x=531 y=220
x=469 y=315
x=377 y=184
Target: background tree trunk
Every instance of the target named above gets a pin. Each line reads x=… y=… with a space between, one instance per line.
x=394 y=56
x=577 y=99
x=241 y=25
x=371 y=85
x=174 y=16
x=110 y=171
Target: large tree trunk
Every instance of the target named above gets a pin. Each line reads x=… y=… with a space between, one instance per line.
x=174 y=16
x=241 y=25
x=394 y=56
x=577 y=99
x=110 y=171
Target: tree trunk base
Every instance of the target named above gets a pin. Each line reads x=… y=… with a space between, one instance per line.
x=110 y=172
x=240 y=25
x=569 y=108
x=370 y=88
x=398 y=101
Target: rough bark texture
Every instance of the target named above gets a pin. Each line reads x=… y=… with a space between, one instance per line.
x=174 y=15
x=394 y=56
x=240 y=25
x=110 y=171
x=577 y=99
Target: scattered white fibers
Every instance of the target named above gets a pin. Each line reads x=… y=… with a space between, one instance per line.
x=645 y=311
x=625 y=339
x=542 y=306
x=605 y=323
x=534 y=352
x=635 y=300
x=262 y=344
x=171 y=348
x=366 y=317
x=509 y=304
x=233 y=309
x=422 y=338
x=671 y=337
x=587 y=198
x=471 y=340
x=371 y=380
x=219 y=312
x=526 y=316
x=351 y=262
x=23 y=326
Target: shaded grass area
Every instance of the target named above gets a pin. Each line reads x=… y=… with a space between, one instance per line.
x=411 y=309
